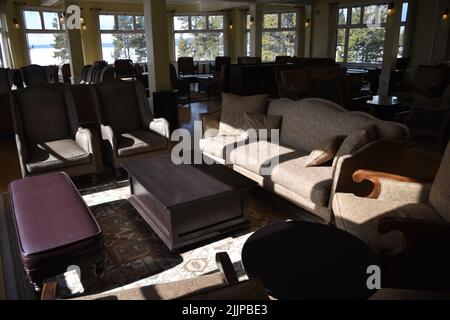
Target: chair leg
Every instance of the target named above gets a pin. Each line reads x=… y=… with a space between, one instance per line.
x=118 y=173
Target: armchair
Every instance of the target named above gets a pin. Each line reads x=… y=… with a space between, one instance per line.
x=48 y=135
x=399 y=211
x=35 y=75
x=127 y=126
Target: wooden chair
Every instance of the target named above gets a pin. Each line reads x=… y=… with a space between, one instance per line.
x=66 y=73
x=182 y=85
x=249 y=60
x=124 y=68
x=186 y=66
x=222 y=285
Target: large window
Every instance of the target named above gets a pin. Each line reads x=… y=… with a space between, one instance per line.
x=279 y=33
x=199 y=36
x=46 y=36
x=122 y=37
x=361 y=33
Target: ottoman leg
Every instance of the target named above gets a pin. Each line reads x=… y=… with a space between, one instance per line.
x=100 y=270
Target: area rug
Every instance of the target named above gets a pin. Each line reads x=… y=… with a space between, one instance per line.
x=135 y=256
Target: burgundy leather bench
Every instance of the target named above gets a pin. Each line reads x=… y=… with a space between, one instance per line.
x=54 y=226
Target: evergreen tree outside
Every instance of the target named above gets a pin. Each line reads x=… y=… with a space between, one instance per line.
x=279 y=35
x=59 y=44
x=129 y=45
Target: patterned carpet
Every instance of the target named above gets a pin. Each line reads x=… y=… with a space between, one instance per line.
x=135 y=256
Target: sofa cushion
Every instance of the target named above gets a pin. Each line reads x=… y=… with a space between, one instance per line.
x=219 y=146
x=56 y=154
x=360 y=216
x=311 y=183
x=232 y=119
x=325 y=151
x=357 y=139
x=256 y=155
x=259 y=122
x=139 y=142
x=307 y=122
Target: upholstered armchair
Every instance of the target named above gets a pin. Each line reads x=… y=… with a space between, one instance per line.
x=128 y=128
x=47 y=133
x=400 y=214
x=35 y=75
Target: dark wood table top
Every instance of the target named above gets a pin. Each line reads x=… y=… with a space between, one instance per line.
x=174 y=185
x=304 y=260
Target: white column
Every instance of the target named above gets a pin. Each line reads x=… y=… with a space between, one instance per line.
x=157 y=39
x=390 y=47
x=256 y=11
x=75 y=47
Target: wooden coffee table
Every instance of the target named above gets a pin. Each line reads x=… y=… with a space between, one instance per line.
x=304 y=260
x=185 y=204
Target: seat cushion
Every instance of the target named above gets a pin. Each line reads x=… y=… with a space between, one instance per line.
x=254 y=155
x=139 y=142
x=219 y=146
x=360 y=216
x=55 y=155
x=52 y=221
x=311 y=183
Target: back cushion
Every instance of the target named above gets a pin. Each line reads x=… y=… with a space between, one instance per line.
x=119 y=105
x=44 y=114
x=440 y=191
x=307 y=122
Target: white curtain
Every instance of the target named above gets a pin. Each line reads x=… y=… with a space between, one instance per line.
x=332 y=29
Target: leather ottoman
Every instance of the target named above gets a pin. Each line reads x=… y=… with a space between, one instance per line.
x=54 y=226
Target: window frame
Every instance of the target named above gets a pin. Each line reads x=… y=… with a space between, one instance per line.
x=349 y=25
x=4 y=43
x=41 y=11
x=279 y=28
x=116 y=29
x=198 y=31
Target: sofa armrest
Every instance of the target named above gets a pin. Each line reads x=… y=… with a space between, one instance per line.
x=381 y=155
x=109 y=136
x=210 y=123
x=417 y=233
x=382 y=180
x=161 y=127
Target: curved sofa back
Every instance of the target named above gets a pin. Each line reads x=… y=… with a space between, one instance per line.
x=307 y=122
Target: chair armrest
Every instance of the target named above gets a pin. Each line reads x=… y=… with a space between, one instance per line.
x=49 y=291
x=376 y=178
x=161 y=127
x=108 y=135
x=210 y=123
x=417 y=233
x=225 y=266
x=85 y=140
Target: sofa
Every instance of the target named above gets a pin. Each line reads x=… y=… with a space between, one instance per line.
x=304 y=124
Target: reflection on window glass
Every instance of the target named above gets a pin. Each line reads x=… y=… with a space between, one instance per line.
x=270 y=20
x=198 y=22
x=106 y=22
x=215 y=22
x=51 y=20
x=181 y=23
x=48 y=48
x=124 y=46
x=288 y=20
x=32 y=20
x=139 y=22
x=278 y=43
x=342 y=16
x=125 y=22
x=247 y=22
x=247 y=39
x=201 y=46
x=356 y=15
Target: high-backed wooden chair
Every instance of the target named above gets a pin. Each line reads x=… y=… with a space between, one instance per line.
x=186 y=66
x=35 y=75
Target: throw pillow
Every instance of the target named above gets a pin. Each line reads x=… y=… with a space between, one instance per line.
x=232 y=119
x=358 y=139
x=259 y=122
x=325 y=152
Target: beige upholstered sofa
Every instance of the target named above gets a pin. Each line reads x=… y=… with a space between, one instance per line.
x=305 y=124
